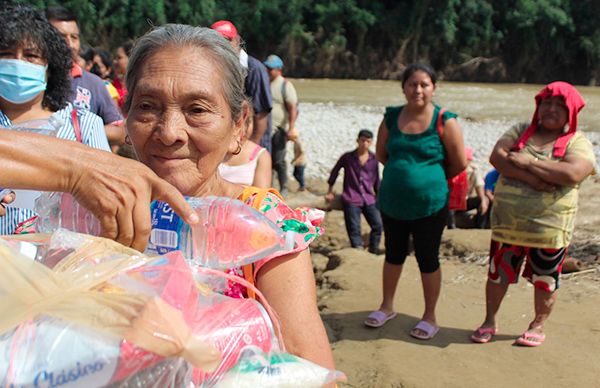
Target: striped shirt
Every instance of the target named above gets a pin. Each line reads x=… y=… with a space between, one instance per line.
x=92 y=135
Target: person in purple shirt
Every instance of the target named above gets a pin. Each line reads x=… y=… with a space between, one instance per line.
x=361 y=182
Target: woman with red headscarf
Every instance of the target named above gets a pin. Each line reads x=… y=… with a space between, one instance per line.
x=541 y=167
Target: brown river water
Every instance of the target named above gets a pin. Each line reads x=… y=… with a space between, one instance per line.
x=332 y=112
x=472 y=101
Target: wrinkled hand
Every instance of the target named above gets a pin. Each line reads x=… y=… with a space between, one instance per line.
x=7 y=199
x=329 y=196
x=520 y=159
x=118 y=192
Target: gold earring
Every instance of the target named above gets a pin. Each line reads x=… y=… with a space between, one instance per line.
x=239 y=148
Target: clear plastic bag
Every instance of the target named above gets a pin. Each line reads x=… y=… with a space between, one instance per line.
x=25 y=199
x=107 y=305
x=107 y=315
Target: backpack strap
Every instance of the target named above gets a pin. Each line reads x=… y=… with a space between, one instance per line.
x=284 y=90
x=261 y=194
x=76 y=127
x=440 y=125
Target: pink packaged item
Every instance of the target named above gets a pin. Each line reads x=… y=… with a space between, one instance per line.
x=230 y=325
x=171 y=278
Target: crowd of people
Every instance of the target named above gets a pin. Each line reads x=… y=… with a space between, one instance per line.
x=206 y=118
x=532 y=189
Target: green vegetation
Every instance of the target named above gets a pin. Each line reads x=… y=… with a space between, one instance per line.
x=478 y=40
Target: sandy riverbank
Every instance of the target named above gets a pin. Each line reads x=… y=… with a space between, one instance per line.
x=349 y=283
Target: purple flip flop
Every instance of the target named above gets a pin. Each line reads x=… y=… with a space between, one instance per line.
x=429 y=329
x=378 y=318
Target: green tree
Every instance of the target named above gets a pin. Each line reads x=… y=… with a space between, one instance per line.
x=534 y=40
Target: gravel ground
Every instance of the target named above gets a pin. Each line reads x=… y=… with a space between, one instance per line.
x=328 y=130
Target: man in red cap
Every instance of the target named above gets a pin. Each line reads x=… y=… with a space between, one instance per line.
x=257 y=85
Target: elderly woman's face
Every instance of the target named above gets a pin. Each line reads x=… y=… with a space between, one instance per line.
x=179 y=122
x=553 y=113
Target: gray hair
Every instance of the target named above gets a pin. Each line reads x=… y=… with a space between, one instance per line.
x=181 y=35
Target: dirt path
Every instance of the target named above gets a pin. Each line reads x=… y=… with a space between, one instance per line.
x=389 y=357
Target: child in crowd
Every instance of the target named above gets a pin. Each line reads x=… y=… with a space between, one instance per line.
x=489 y=187
x=361 y=182
x=299 y=161
x=250 y=165
x=476 y=197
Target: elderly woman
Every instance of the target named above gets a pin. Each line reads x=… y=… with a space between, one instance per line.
x=541 y=167
x=35 y=87
x=186 y=112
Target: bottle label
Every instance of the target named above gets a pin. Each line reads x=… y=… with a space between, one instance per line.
x=166 y=226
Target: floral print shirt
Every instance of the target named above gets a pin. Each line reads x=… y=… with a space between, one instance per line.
x=303 y=221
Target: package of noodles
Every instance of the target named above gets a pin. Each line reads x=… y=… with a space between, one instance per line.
x=103 y=314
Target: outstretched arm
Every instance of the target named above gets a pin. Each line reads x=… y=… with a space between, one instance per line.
x=292 y=115
x=333 y=177
x=484 y=201
x=260 y=126
x=116 y=190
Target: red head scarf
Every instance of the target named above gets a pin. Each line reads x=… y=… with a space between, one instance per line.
x=574 y=103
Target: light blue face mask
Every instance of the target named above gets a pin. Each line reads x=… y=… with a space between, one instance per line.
x=21 y=81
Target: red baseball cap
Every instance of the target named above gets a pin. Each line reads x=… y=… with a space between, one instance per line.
x=225 y=28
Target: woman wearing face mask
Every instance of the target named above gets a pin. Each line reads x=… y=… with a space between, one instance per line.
x=35 y=88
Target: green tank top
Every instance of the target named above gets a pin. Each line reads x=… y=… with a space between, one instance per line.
x=414 y=181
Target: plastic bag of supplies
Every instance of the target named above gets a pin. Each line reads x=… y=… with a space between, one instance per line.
x=88 y=312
